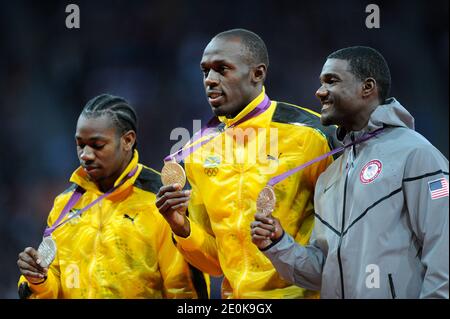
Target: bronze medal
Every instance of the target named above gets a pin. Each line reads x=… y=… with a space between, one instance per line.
x=173 y=173
x=47 y=251
x=265 y=203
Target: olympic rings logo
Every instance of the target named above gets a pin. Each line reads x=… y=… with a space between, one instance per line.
x=211 y=171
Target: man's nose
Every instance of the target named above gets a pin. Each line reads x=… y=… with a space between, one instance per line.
x=212 y=79
x=87 y=154
x=321 y=92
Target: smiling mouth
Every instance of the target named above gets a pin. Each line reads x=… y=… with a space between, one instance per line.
x=326 y=105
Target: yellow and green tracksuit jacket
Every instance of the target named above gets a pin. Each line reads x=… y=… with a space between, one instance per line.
x=226 y=178
x=119 y=248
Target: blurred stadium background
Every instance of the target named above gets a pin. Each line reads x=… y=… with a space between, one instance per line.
x=149 y=53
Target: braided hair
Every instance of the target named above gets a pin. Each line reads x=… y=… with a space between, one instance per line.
x=117 y=108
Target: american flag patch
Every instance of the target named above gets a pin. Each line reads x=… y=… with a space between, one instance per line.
x=438 y=188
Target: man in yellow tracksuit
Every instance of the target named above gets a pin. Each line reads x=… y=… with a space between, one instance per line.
x=211 y=222
x=121 y=247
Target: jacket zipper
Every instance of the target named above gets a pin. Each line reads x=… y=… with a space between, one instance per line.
x=92 y=291
x=340 y=239
x=391 y=285
x=244 y=254
x=348 y=167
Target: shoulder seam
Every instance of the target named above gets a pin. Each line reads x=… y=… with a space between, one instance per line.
x=290 y=113
x=148 y=180
x=302 y=108
x=410 y=179
x=72 y=187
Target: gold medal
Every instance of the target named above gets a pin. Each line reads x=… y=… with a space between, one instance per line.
x=47 y=251
x=172 y=173
x=265 y=203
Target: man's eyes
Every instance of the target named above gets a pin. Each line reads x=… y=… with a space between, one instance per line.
x=94 y=146
x=329 y=81
x=222 y=68
x=219 y=69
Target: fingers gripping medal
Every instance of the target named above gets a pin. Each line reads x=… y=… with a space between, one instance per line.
x=266 y=201
x=173 y=173
x=47 y=251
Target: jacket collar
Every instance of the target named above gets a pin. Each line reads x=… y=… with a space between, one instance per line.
x=259 y=121
x=390 y=114
x=81 y=178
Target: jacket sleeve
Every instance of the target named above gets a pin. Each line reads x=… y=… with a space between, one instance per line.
x=199 y=248
x=297 y=264
x=316 y=146
x=51 y=287
x=295 y=260
x=427 y=169
x=175 y=272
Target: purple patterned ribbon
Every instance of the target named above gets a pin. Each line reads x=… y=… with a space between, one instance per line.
x=74 y=199
x=279 y=178
x=182 y=153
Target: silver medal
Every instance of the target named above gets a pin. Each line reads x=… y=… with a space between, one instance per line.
x=47 y=251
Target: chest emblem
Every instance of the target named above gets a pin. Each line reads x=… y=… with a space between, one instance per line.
x=211 y=164
x=212 y=161
x=370 y=171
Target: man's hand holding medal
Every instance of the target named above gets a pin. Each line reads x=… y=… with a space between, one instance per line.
x=266 y=229
x=171 y=200
x=33 y=264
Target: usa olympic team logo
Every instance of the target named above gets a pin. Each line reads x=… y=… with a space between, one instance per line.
x=370 y=171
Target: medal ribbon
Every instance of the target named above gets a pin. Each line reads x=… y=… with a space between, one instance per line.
x=279 y=178
x=74 y=199
x=182 y=153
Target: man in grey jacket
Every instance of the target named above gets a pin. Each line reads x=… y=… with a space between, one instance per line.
x=382 y=208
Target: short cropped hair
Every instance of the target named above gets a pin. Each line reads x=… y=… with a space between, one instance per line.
x=255 y=46
x=366 y=62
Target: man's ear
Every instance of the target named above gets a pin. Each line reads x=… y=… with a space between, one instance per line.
x=128 y=140
x=369 y=87
x=259 y=73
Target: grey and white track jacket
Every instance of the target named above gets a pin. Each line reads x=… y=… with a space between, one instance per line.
x=381 y=227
